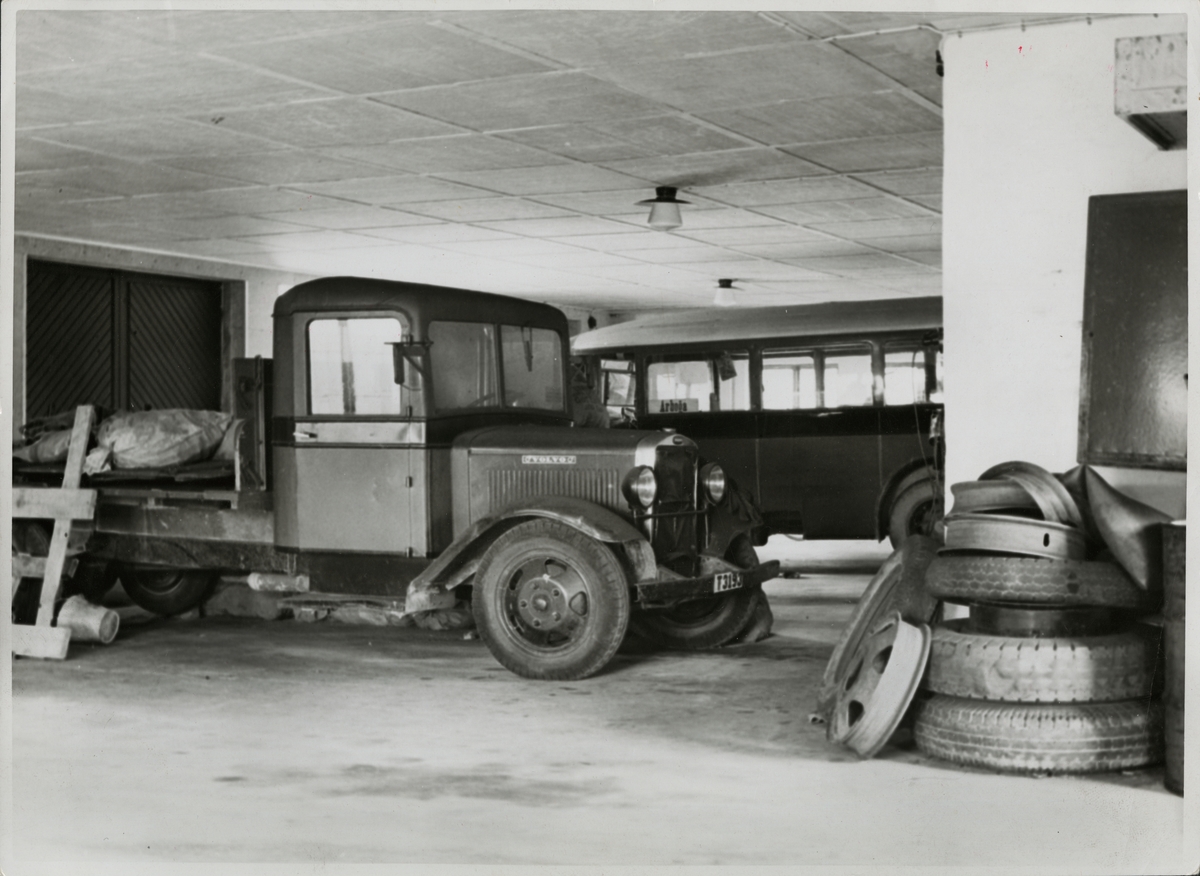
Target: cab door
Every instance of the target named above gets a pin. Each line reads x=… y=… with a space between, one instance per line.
x=352 y=476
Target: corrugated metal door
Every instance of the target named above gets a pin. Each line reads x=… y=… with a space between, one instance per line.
x=69 y=344
x=174 y=343
x=119 y=339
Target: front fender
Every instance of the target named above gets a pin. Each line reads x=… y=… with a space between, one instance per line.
x=459 y=561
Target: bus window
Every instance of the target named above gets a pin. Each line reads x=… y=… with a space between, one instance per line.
x=937 y=396
x=789 y=381
x=848 y=379
x=620 y=389
x=903 y=376
x=712 y=383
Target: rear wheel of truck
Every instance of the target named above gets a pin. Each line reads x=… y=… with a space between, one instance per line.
x=166 y=591
x=703 y=623
x=549 y=602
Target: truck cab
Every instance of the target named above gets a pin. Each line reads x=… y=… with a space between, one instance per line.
x=420 y=441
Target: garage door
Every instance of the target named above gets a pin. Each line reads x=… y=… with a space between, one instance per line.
x=119 y=339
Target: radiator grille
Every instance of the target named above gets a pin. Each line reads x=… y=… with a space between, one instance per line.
x=506 y=486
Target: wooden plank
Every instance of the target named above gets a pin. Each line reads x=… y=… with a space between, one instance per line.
x=77 y=452
x=46 y=642
x=49 y=503
x=52 y=580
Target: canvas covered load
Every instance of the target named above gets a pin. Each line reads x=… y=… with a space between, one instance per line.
x=142 y=439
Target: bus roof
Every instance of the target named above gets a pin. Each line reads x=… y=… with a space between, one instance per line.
x=761 y=323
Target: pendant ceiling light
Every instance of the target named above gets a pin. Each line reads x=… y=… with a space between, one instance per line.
x=724 y=297
x=664 y=209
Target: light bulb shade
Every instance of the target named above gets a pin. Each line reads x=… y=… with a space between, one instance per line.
x=664 y=215
x=725 y=297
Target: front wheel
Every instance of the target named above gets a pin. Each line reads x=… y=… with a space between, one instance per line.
x=918 y=510
x=166 y=591
x=549 y=602
x=703 y=623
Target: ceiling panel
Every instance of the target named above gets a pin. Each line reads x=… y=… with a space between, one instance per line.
x=407 y=53
x=501 y=149
x=875 y=153
x=544 y=180
x=282 y=167
x=597 y=38
x=714 y=168
x=626 y=138
x=333 y=122
x=396 y=189
x=883 y=227
x=813 y=121
x=169 y=138
x=525 y=101
x=774 y=73
x=346 y=218
x=856 y=210
x=442 y=154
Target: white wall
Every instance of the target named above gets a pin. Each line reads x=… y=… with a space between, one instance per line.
x=1030 y=134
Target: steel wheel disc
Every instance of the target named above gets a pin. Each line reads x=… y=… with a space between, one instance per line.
x=1001 y=533
x=1009 y=619
x=546 y=602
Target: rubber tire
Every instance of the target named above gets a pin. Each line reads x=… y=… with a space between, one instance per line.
x=706 y=623
x=608 y=601
x=1040 y=737
x=1034 y=580
x=92 y=579
x=920 y=501
x=899 y=585
x=166 y=591
x=1079 y=669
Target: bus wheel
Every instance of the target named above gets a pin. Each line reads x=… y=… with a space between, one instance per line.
x=703 y=623
x=549 y=602
x=166 y=591
x=916 y=511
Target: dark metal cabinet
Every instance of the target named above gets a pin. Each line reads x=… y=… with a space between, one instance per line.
x=1133 y=392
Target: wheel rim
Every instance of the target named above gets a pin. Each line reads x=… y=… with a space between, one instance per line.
x=923 y=518
x=546 y=603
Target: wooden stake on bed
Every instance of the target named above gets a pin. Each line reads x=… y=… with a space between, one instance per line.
x=62 y=505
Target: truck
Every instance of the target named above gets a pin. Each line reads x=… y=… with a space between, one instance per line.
x=417 y=440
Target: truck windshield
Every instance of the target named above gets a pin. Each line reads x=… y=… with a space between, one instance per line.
x=464 y=360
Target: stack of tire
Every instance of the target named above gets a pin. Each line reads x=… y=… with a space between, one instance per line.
x=1052 y=671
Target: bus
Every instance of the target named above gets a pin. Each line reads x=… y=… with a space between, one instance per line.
x=830 y=414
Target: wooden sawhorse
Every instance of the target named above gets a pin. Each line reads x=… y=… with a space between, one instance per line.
x=43 y=639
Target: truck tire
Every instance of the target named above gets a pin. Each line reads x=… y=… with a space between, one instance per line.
x=166 y=591
x=1034 y=580
x=1040 y=737
x=899 y=585
x=915 y=511
x=550 y=602
x=703 y=623
x=1079 y=669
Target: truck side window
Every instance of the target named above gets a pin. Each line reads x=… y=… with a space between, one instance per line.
x=848 y=379
x=350 y=366
x=789 y=381
x=716 y=382
x=463 y=362
x=533 y=371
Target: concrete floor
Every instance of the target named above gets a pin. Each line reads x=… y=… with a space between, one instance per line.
x=224 y=740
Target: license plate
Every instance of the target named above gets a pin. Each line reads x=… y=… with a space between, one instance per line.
x=723 y=581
